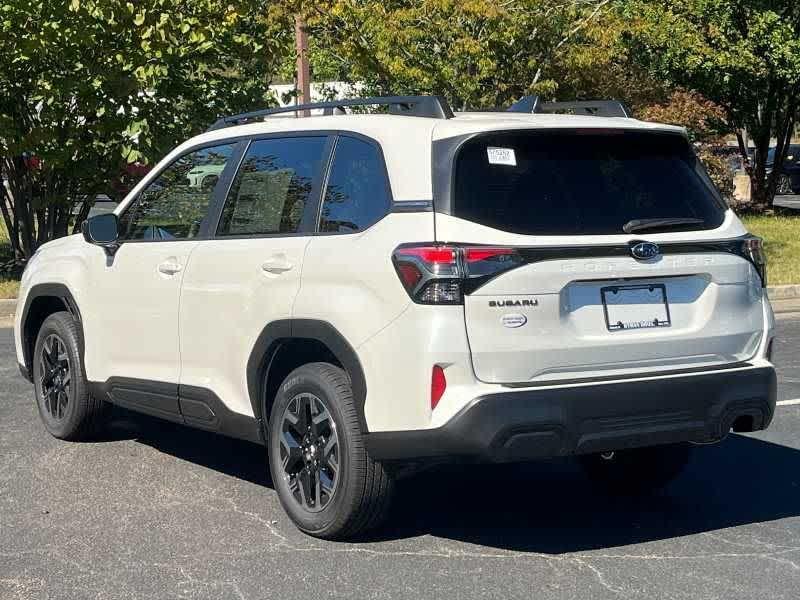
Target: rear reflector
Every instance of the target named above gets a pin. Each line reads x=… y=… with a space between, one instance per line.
x=438 y=385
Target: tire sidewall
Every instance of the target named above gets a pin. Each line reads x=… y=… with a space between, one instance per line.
x=54 y=325
x=307 y=380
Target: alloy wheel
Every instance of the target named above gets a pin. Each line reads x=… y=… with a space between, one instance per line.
x=309 y=452
x=55 y=376
x=784 y=185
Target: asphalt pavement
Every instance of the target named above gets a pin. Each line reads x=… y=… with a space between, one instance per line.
x=158 y=511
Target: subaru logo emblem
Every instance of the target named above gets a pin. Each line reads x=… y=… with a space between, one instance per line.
x=644 y=250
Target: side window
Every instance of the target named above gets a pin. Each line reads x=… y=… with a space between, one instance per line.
x=357 y=194
x=174 y=205
x=272 y=187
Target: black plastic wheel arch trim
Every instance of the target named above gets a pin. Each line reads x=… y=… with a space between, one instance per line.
x=269 y=341
x=43 y=290
x=23 y=370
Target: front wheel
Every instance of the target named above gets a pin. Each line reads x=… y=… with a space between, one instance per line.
x=637 y=471
x=67 y=409
x=325 y=480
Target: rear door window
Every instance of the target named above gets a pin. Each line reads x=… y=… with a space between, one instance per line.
x=274 y=184
x=581 y=182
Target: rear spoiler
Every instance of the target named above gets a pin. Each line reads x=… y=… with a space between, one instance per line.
x=591 y=108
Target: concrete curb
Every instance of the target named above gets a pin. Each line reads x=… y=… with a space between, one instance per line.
x=783 y=292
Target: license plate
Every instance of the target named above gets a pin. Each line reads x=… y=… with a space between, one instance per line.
x=635 y=306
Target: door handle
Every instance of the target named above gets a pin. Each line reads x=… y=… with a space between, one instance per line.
x=276 y=265
x=169 y=268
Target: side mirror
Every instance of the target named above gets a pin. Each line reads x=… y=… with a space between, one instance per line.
x=102 y=230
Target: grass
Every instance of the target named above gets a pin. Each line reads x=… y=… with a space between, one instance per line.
x=8 y=285
x=8 y=288
x=782 y=242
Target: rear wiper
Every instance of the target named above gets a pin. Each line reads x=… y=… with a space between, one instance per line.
x=637 y=225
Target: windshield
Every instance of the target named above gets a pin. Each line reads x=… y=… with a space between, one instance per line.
x=582 y=182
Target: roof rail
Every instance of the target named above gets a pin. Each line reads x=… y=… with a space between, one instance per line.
x=592 y=108
x=435 y=107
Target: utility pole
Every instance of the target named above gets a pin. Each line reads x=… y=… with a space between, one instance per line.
x=303 y=71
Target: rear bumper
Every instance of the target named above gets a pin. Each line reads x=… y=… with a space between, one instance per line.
x=535 y=423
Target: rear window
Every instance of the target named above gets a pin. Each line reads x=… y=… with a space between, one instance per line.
x=576 y=182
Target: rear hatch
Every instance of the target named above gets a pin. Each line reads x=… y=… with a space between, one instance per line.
x=623 y=257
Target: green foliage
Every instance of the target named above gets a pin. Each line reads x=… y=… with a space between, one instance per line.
x=90 y=85
x=476 y=53
x=706 y=125
x=781 y=243
x=743 y=55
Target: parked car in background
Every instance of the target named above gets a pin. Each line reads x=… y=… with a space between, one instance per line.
x=789 y=180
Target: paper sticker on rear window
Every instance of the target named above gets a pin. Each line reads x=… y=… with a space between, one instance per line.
x=501 y=156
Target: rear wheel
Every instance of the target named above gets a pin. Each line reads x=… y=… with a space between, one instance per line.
x=640 y=470
x=65 y=406
x=784 y=185
x=326 y=481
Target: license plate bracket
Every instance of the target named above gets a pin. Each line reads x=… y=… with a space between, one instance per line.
x=629 y=307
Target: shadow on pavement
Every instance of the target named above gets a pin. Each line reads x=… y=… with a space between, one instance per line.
x=547 y=507
x=235 y=458
x=550 y=507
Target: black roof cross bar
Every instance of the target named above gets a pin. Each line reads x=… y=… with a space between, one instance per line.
x=434 y=107
x=592 y=108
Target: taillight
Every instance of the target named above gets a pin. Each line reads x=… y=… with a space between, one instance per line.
x=753 y=250
x=438 y=385
x=442 y=274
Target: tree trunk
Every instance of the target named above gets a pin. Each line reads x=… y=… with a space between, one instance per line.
x=776 y=116
x=35 y=212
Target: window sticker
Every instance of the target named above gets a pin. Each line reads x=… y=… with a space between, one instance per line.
x=501 y=156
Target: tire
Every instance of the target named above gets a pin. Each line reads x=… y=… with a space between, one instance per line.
x=637 y=471
x=354 y=497
x=784 y=186
x=68 y=411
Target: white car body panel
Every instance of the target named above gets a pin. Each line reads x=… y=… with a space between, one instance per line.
x=714 y=299
x=228 y=297
x=130 y=313
x=346 y=281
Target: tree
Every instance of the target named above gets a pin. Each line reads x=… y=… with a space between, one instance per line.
x=596 y=64
x=89 y=86
x=706 y=127
x=477 y=54
x=743 y=55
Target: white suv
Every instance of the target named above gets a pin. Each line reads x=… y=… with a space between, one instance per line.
x=370 y=294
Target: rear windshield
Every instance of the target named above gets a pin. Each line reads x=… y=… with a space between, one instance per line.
x=576 y=182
